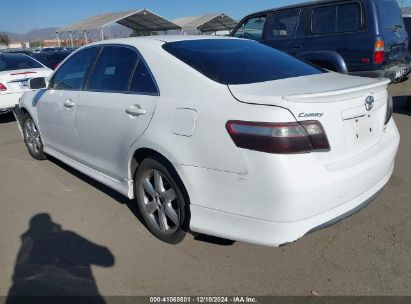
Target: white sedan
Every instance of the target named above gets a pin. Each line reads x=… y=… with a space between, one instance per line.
x=15 y=71
x=219 y=135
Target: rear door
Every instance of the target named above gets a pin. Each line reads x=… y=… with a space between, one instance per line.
x=115 y=108
x=285 y=31
x=393 y=31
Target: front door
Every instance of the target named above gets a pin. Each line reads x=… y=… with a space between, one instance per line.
x=56 y=107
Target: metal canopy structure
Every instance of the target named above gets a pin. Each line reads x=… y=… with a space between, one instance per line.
x=140 y=20
x=207 y=23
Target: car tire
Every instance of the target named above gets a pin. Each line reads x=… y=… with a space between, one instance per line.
x=409 y=104
x=161 y=200
x=32 y=138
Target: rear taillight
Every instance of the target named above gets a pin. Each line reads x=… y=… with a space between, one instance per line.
x=379 y=52
x=390 y=109
x=2 y=87
x=281 y=138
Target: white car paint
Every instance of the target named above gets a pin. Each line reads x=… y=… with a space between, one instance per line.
x=15 y=82
x=235 y=193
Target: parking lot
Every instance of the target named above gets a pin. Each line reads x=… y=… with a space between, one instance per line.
x=367 y=254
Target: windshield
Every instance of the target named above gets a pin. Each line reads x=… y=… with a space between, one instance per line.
x=390 y=14
x=238 y=61
x=9 y=62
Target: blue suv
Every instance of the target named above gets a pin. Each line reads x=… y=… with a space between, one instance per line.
x=359 y=37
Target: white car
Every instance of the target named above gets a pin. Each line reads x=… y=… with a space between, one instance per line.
x=219 y=135
x=15 y=71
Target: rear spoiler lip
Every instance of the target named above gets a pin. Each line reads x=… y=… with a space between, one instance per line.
x=323 y=95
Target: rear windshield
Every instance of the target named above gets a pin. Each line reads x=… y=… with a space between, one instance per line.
x=390 y=14
x=238 y=61
x=9 y=62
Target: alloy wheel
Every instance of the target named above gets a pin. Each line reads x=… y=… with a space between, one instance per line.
x=161 y=204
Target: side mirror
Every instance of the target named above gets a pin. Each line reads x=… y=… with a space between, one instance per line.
x=37 y=83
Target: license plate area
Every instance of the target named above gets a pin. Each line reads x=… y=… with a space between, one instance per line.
x=400 y=73
x=362 y=129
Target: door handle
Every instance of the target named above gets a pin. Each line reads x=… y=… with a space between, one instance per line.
x=297 y=47
x=69 y=104
x=135 y=110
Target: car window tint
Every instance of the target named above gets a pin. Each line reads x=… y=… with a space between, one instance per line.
x=238 y=61
x=323 y=20
x=142 y=82
x=113 y=69
x=9 y=62
x=283 y=24
x=71 y=75
x=251 y=28
x=348 y=17
x=336 y=19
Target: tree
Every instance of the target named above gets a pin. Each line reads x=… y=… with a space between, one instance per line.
x=4 y=39
x=136 y=33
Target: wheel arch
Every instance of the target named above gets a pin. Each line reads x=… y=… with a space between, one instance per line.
x=140 y=153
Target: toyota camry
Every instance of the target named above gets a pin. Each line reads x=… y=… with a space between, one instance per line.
x=221 y=136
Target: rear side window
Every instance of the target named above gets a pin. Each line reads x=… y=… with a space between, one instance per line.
x=238 y=61
x=142 y=82
x=336 y=19
x=71 y=75
x=252 y=28
x=9 y=62
x=283 y=25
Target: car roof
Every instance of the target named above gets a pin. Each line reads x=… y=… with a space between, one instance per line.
x=158 y=38
x=295 y=6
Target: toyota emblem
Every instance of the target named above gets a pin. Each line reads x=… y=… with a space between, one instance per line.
x=369 y=103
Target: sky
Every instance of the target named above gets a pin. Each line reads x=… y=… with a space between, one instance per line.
x=23 y=16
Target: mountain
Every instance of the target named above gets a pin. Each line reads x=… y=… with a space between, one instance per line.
x=112 y=31
x=406 y=10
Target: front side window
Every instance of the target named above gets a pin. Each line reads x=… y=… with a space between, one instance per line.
x=283 y=25
x=72 y=74
x=336 y=19
x=113 y=69
x=251 y=28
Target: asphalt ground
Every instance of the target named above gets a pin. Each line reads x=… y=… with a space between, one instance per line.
x=60 y=230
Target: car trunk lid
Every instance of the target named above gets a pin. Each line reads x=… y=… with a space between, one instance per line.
x=337 y=101
x=17 y=80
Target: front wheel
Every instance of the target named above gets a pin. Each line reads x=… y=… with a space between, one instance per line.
x=32 y=138
x=161 y=201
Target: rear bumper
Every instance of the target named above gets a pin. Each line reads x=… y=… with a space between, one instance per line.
x=391 y=73
x=282 y=198
x=9 y=101
x=275 y=234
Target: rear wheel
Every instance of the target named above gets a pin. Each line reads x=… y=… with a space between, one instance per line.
x=160 y=199
x=409 y=104
x=32 y=138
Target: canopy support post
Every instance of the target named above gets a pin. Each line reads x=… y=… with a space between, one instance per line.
x=71 y=38
x=58 y=39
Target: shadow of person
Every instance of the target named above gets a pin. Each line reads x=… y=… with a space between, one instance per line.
x=54 y=262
